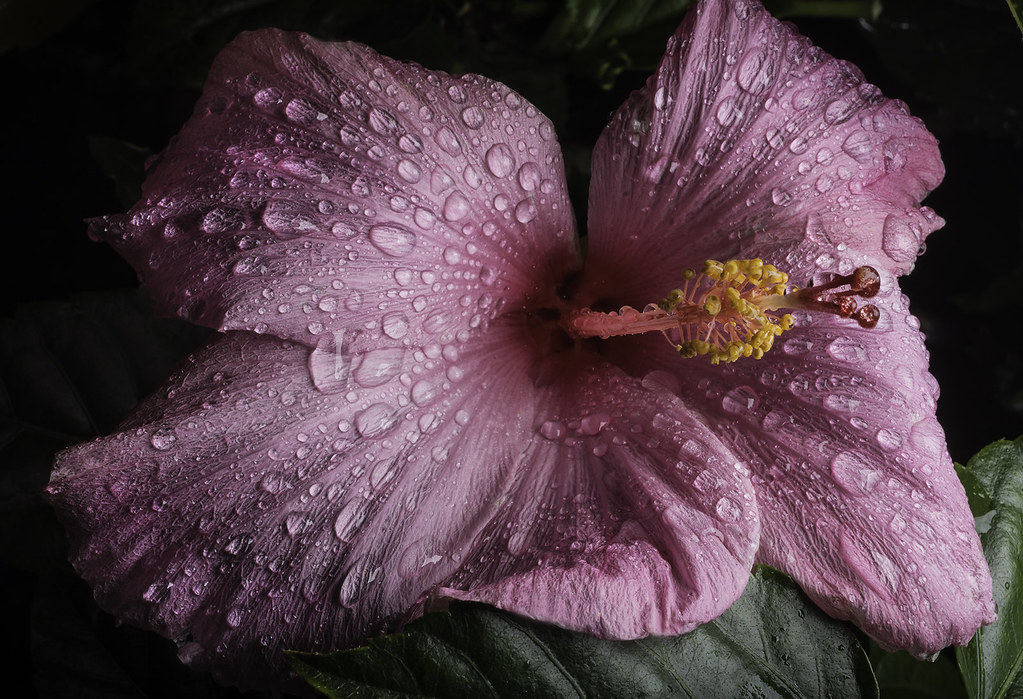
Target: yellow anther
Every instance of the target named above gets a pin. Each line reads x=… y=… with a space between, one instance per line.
x=713 y=269
x=688 y=274
x=712 y=305
x=787 y=321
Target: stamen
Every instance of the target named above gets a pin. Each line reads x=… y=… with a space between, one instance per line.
x=730 y=309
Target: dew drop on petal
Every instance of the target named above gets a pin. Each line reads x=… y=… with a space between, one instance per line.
x=525 y=211
x=530 y=176
x=328 y=366
x=898 y=239
x=757 y=71
x=348 y=520
x=847 y=349
x=741 y=399
x=163 y=439
x=473 y=117
x=395 y=325
x=592 y=424
x=377 y=367
x=374 y=420
x=728 y=510
x=889 y=439
x=854 y=475
x=409 y=171
x=500 y=160
x=392 y=240
x=858 y=145
x=553 y=430
x=425 y=392
x=456 y=206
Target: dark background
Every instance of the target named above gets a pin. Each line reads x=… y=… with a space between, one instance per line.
x=89 y=89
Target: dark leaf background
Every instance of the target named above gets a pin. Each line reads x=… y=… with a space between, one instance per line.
x=90 y=88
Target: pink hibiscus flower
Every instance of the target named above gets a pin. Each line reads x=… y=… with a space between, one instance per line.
x=409 y=399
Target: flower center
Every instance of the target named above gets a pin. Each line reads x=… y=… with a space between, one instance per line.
x=731 y=310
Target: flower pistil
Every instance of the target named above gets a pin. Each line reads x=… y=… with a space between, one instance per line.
x=731 y=309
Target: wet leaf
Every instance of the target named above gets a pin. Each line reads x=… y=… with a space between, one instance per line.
x=772 y=642
x=992 y=664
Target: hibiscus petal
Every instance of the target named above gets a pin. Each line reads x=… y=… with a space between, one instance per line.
x=322 y=186
x=632 y=518
x=858 y=497
x=750 y=141
x=243 y=511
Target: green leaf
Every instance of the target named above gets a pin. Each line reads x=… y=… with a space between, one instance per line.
x=901 y=676
x=1016 y=8
x=772 y=642
x=992 y=664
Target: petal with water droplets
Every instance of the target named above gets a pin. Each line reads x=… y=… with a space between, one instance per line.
x=317 y=181
x=246 y=510
x=858 y=497
x=749 y=141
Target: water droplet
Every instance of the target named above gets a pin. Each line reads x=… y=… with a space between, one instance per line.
x=898 y=239
x=500 y=160
x=395 y=325
x=440 y=181
x=297 y=523
x=163 y=439
x=377 y=367
x=382 y=473
x=847 y=349
x=757 y=71
x=425 y=392
x=457 y=94
x=728 y=510
x=239 y=545
x=553 y=430
x=472 y=177
x=300 y=111
x=448 y=141
x=409 y=171
x=858 y=145
x=348 y=520
x=222 y=220
x=392 y=240
x=452 y=256
x=530 y=176
x=328 y=367
x=728 y=111
x=739 y=400
x=287 y=219
x=382 y=121
x=525 y=211
x=268 y=98
x=889 y=439
x=425 y=219
x=473 y=117
x=898 y=524
x=708 y=482
x=780 y=197
x=593 y=424
x=853 y=474
x=456 y=206
x=375 y=420
x=839 y=111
